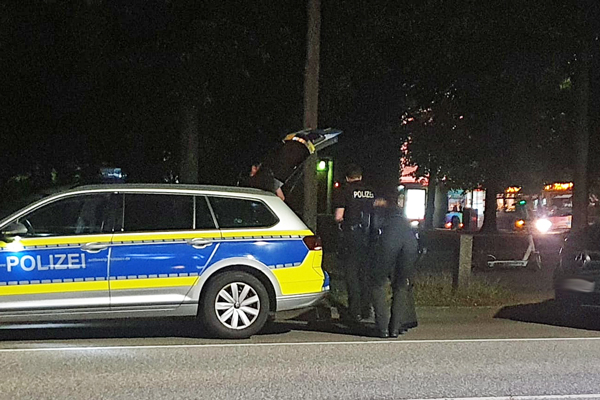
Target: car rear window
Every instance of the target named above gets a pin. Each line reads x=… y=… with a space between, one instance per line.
x=242 y=213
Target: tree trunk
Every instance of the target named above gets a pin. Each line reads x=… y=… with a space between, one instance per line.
x=441 y=205
x=311 y=103
x=489 y=213
x=580 y=181
x=430 y=209
x=189 y=143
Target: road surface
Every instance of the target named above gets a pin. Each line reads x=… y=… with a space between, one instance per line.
x=524 y=351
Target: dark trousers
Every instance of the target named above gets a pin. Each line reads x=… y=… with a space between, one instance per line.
x=354 y=259
x=403 y=300
x=392 y=260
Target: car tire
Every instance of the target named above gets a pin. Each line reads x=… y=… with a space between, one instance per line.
x=235 y=305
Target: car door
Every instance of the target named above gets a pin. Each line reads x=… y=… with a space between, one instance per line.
x=60 y=264
x=162 y=245
x=246 y=229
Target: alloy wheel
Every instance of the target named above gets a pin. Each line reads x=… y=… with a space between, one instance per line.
x=237 y=305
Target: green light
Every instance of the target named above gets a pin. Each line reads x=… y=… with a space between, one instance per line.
x=522 y=202
x=322 y=165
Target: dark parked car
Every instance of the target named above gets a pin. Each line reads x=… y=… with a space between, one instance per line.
x=577 y=277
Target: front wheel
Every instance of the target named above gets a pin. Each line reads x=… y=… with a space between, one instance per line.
x=235 y=305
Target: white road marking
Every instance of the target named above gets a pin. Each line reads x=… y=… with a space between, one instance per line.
x=538 y=397
x=283 y=344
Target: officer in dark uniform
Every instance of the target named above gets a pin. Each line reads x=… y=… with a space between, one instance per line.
x=395 y=252
x=261 y=177
x=354 y=208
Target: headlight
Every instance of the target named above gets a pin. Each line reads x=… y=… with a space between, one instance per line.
x=414 y=224
x=543 y=225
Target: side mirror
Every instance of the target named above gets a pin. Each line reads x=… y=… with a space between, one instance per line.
x=14 y=229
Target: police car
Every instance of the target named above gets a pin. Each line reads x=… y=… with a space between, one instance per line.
x=230 y=256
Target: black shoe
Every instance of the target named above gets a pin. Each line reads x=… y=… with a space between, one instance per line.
x=394 y=334
x=383 y=334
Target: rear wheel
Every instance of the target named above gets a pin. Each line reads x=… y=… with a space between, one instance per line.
x=235 y=305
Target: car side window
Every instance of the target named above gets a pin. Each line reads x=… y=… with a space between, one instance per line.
x=157 y=212
x=204 y=218
x=77 y=215
x=242 y=213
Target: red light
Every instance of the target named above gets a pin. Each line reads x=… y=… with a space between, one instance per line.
x=313 y=243
x=336 y=185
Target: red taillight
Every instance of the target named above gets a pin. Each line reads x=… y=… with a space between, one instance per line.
x=313 y=242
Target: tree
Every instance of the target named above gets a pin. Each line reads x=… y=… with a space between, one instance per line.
x=515 y=110
x=434 y=138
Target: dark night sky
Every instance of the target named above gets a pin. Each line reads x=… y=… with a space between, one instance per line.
x=90 y=82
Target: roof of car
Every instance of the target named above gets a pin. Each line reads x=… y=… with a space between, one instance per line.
x=174 y=186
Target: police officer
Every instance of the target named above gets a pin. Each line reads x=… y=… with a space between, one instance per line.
x=261 y=177
x=354 y=208
x=394 y=256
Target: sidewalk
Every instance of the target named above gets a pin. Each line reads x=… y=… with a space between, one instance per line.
x=535 y=320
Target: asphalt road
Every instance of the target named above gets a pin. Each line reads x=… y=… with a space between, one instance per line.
x=525 y=351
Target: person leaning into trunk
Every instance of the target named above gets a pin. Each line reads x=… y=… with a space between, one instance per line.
x=261 y=177
x=395 y=252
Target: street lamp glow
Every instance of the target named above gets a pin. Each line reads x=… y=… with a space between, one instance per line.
x=543 y=225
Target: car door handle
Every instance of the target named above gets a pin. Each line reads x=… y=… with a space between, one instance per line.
x=199 y=243
x=94 y=247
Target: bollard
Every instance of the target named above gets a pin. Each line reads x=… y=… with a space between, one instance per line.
x=465 y=258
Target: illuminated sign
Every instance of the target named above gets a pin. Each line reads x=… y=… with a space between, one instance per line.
x=559 y=186
x=414 y=206
x=513 y=189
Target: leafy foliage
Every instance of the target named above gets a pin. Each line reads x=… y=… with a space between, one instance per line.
x=489 y=85
x=507 y=115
